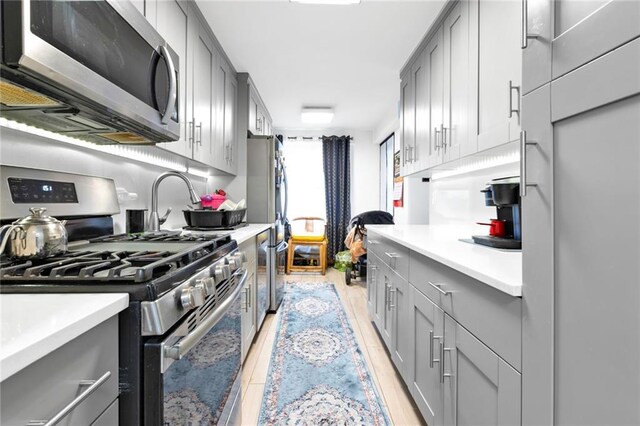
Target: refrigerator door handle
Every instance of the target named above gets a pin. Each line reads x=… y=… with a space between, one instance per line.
x=286 y=192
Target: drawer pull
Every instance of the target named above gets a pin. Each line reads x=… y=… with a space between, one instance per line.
x=437 y=287
x=93 y=386
x=431 y=339
x=372 y=242
x=391 y=292
x=393 y=257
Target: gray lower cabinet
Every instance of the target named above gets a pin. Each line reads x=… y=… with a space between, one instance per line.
x=426 y=329
x=479 y=387
x=44 y=388
x=580 y=278
x=384 y=286
x=249 y=302
x=372 y=274
x=398 y=309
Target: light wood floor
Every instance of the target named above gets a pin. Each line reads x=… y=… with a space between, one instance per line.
x=354 y=298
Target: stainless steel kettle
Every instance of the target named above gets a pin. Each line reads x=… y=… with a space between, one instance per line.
x=35 y=236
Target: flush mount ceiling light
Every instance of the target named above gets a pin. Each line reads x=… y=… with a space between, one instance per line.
x=339 y=2
x=317 y=115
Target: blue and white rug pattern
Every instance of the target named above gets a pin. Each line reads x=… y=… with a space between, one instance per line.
x=318 y=375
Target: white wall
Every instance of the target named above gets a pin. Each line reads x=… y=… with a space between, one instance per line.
x=457 y=200
x=364 y=167
x=23 y=149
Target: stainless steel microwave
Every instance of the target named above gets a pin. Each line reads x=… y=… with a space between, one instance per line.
x=96 y=70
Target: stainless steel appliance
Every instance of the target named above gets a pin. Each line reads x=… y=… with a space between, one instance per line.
x=180 y=337
x=267 y=203
x=96 y=70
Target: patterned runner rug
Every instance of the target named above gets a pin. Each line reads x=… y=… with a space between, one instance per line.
x=318 y=375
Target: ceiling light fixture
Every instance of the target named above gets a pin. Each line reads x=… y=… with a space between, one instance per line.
x=317 y=115
x=333 y=2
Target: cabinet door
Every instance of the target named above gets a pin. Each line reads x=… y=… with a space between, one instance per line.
x=176 y=24
x=372 y=274
x=407 y=123
x=585 y=30
x=231 y=94
x=253 y=113
x=456 y=75
x=479 y=387
x=421 y=101
x=399 y=301
x=495 y=48
x=426 y=328
x=383 y=315
x=248 y=312
x=596 y=130
x=204 y=60
x=221 y=157
x=435 y=104
x=536 y=53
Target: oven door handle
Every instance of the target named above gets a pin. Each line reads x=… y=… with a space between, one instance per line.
x=185 y=344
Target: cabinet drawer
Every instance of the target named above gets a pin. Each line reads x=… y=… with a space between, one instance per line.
x=43 y=389
x=491 y=315
x=391 y=253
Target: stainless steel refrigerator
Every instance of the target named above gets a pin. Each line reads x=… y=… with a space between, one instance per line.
x=267 y=203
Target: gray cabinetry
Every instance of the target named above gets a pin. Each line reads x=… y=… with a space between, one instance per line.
x=569 y=261
x=407 y=122
x=426 y=328
x=373 y=264
x=203 y=114
x=495 y=48
x=434 y=56
x=249 y=300
x=398 y=309
x=174 y=23
x=46 y=387
x=457 y=106
x=479 y=387
x=226 y=105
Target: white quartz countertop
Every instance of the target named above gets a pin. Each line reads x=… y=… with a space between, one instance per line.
x=251 y=230
x=34 y=325
x=500 y=269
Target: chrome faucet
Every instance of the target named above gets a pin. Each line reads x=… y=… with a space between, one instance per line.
x=154 y=220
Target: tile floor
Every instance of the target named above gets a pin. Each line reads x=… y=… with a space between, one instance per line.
x=354 y=298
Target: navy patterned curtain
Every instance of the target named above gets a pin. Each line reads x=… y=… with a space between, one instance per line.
x=337 y=189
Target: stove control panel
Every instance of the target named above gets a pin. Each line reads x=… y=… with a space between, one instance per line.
x=36 y=191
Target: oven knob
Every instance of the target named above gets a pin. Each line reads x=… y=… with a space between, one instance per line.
x=242 y=256
x=206 y=285
x=234 y=263
x=191 y=297
x=222 y=272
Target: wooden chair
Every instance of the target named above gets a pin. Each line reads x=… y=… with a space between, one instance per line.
x=308 y=231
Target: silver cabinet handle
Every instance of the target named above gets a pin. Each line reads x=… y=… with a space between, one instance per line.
x=250 y=295
x=178 y=350
x=405 y=160
x=190 y=131
x=93 y=386
x=392 y=291
x=511 y=89
x=524 y=29
x=231 y=153
x=245 y=306
x=442 y=351
x=431 y=338
x=393 y=259
x=523 y=163
x=173 y=86
x=437 y=287
x=369 y=241
x=199 y=138
x=436 y=132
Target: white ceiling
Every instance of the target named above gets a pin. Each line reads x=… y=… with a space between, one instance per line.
x=345 y=57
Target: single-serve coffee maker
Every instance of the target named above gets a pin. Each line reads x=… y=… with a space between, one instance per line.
x=505 y=230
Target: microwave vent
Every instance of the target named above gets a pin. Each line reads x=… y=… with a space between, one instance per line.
x=12 y=95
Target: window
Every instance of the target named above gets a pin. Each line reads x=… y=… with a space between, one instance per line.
x=305 y=177
x=386 y=174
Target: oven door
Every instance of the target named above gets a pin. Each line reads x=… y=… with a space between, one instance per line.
x=103 y=51
x=192 y=375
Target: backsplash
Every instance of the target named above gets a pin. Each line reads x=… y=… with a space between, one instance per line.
x=457 y=200
x=27 y=150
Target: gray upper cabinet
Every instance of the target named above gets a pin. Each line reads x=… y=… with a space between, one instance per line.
x=203 y=113
x=585 y=30
x=407 y=123
x=420 y=76
x=226 y=105
x=536 y=38
x=456 y=138
x=426 y=328
x=580 y=279
x=435 y=97
x=174 y=23
x=496 y=55
x=479 y=387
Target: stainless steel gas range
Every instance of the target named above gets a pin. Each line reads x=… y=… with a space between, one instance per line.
x=179 y=344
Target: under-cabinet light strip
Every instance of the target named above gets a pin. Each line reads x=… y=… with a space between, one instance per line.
x=118 y=150
x=479 y=164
